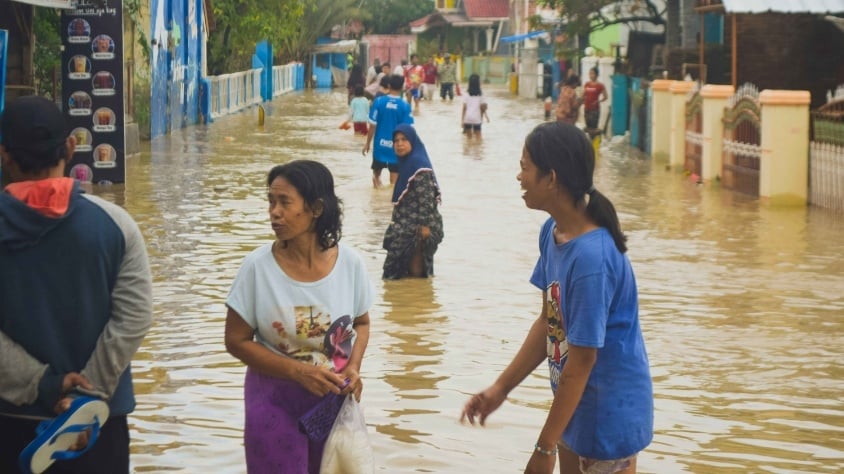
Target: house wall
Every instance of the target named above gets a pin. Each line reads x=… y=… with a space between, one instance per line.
x=389 y=48
x=789 y=51
x=689 y=24
x=602 y=39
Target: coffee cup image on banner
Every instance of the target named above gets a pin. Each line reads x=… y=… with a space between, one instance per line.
x=104 y=120
x=79 y=67
x=105 y=156
x=82 y=173
x=78 y=31
x=79 y=104
x=83 y=139
x=102 y=47
x=103 y=83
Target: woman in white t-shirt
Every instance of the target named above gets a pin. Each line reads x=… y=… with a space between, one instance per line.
x=298 y=317
x=474 y=108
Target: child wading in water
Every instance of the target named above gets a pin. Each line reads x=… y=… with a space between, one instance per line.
x=587 y=330
x=359 y=111
x=474 y=108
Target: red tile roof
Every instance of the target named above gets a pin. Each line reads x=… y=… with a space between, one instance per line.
x=487 y=8
x=420 y=21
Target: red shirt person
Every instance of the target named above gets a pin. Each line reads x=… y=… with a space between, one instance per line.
x=593 y=94
x=430 y=82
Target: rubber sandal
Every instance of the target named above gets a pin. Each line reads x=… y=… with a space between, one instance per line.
x=54 y=437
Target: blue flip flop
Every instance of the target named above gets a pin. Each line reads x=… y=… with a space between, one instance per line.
x=54 y=437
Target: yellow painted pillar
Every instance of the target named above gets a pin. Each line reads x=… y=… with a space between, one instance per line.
x=714 y=101
x=677 y=140
x=784 y=167
x=660 y=117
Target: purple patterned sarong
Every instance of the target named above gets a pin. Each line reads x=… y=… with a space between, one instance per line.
x=271 y=435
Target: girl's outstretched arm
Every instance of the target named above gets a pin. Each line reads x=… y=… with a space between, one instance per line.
x=532 y=352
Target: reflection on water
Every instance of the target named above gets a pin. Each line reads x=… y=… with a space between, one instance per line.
x=740 y=302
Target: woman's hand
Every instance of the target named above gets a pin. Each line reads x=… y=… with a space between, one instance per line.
x=355 y=383
x=318 y=380
x=482 y=404
x=541 y=464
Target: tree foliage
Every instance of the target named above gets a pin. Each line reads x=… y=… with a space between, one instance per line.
x=318 y=17
x=241 y=24
x=47 y=56
x=585 y=16
x=393 y=16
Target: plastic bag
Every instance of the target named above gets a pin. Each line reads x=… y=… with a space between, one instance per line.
x=347 y=449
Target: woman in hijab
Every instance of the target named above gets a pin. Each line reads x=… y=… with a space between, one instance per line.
x=416 y=228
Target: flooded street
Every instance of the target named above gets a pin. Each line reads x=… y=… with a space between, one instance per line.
x=741 y=304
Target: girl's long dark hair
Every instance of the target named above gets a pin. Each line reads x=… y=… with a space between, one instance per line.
x=315 y=183
x=566 y=149
x=474 y=85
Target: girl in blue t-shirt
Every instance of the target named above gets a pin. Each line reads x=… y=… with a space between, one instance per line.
x=588 y=329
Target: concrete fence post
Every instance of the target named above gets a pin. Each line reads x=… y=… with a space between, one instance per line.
x=660 y=118
x=784 y=166
x=677 y=146
x=714 y=101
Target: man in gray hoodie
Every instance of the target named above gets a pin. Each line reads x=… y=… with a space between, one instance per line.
x=75 y=292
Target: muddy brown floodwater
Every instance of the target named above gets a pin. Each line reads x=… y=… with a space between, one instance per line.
x=741 y=303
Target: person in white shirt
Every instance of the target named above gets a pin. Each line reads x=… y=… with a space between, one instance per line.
x=474 y=108
x=298 y=317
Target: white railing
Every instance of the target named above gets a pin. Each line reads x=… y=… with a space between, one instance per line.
x=742 y=149
x=284 y=79
x=826 y=175
x=838 y=94
x=235 y=91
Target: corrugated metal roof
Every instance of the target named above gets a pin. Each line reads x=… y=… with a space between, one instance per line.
x=784 y=6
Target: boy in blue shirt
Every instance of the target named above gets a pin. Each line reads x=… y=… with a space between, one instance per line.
x=385 y=114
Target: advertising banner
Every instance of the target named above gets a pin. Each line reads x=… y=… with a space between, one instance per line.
x=92 y=89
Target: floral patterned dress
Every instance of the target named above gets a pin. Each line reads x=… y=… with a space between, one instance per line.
x=418 y=206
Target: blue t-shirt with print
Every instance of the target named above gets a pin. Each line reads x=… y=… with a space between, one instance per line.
x=593 y=302
x=386 y=113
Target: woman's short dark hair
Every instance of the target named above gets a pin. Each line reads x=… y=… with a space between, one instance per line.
x=568 y=151
x=572 y=81
x=316 y=184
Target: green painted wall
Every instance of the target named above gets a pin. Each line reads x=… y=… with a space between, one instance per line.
x=601 y=39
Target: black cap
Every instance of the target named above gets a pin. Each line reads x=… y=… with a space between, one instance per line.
x=33 y=124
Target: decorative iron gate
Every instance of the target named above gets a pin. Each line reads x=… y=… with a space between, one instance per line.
x=742 y=149
x=694 y=131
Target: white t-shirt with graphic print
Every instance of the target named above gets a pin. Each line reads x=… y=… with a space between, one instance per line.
x=307 y=321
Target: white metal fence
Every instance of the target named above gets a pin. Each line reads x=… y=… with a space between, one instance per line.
x=235 y=91
x=826 y=153
x=826 y=175
x=284 y=79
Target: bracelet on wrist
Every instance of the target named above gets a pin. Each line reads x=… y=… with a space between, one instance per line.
x=545 y=452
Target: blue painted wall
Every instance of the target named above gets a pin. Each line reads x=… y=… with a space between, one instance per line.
x=177 y=47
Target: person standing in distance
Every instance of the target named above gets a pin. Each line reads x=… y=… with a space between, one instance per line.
x=385 y=114
x=593 y=94
x=447 y=75
x=75 y=292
